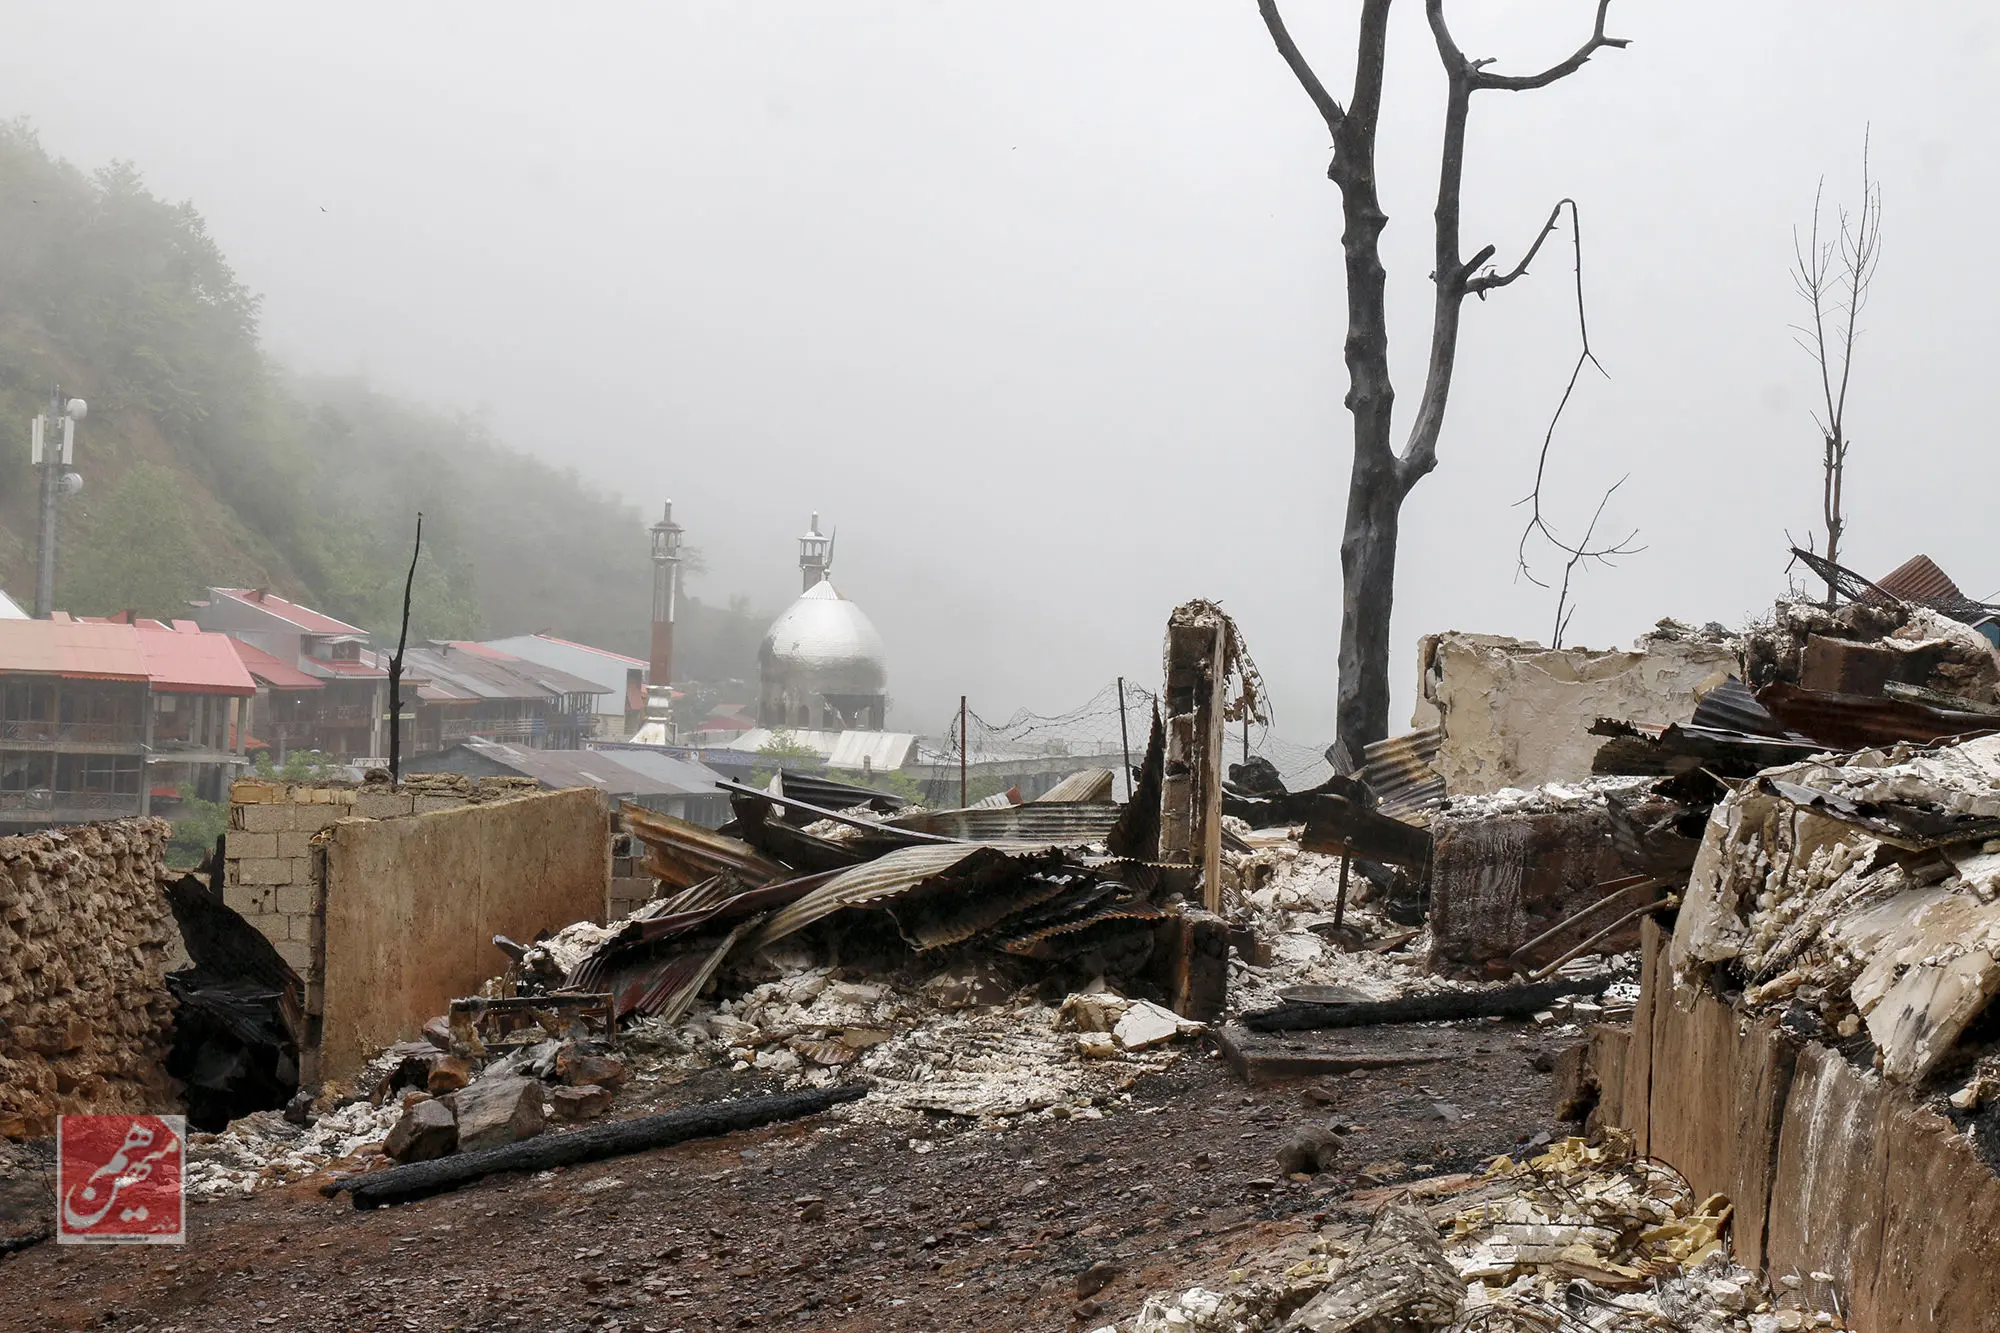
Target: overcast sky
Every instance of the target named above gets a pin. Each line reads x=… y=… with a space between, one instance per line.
x=1040 y=303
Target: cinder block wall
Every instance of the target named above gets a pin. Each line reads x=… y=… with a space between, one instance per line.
x=267 y=872
x=85 y=932
x=412 y=906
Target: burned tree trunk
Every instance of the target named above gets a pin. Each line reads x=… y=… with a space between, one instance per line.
x=1381 y=477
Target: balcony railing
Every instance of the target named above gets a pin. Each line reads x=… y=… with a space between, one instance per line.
x=41 y=732
x=89 y=804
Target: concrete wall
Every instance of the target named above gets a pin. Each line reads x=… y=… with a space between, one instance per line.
x=1516 y=714
x=267 y=872
x=1830 y=1169
x=85 y=933
x=412 y=905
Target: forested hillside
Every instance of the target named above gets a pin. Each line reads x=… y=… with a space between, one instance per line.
x=204 y=463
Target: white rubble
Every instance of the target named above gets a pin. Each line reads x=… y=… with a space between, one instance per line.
x=265 y=1149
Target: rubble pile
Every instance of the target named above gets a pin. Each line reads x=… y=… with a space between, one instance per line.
x=266 y=1149
x=1858 y=895
x=85 y=938
x=1582 y=1237
x=1908 y=643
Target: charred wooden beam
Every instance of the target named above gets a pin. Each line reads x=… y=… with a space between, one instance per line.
x=1342 y=825
x=1505 y=1002
x=417 y=1180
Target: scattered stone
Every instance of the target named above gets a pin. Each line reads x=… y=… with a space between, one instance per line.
x=812 y=1210
x=438 y=1033
x=449 y=1074
x=1096 y=1278
x=427 y=1130
x=577 y=1068
x=579 y=1103
x=1310 y=1150
x=1096 y=1045
x=494 y=1111
x=1447 y=1112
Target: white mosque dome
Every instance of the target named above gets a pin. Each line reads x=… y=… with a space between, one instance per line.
x=825 y=644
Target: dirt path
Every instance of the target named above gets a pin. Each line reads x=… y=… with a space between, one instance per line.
x=825 y=1224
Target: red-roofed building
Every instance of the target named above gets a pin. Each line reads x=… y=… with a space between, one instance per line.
x=343 y=712
x=98 y=715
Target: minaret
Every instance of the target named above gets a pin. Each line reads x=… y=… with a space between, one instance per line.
x=666 y=584
x=815 y=556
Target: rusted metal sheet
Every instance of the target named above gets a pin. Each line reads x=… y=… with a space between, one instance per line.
x=1399 y=771
x=831 y=795
x=885 y=877
x=1092 y=784
x=684 y=854
x=1858 y=722
x=1918 y=579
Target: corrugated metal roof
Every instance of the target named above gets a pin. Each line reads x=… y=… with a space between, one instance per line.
x=670 y=773
x=877 y=751
x=304 y=617
x=191 y=662
x=558 y=769
x=1092 y=784
x=694 y=852
x=68 y=648
x=1919 y=579
x=553 y=679
x=1044 y=823
x=1399 y=771
x=885 y=877
x=461 y=675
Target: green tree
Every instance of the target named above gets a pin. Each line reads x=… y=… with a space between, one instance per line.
x=195 y=832
x=132 y=550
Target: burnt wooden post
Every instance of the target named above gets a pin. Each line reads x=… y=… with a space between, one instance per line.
x=1191 y=794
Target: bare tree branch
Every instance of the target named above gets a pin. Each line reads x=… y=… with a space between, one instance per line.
x=1476 y=73
x=1833 y=277
x=1329 y=109
x=1577 y=556
x=1581 y=552
x=1485 y=283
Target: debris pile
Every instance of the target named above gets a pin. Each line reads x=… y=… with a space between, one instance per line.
x=1858 y=895
x=1581 y=1237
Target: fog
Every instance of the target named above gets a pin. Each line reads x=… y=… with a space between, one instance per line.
x=1039 y=304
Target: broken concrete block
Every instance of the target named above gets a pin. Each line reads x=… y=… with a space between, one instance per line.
x=427 y=1130
x=494 y=1111
x=438 y=1033
x=1310 y=1150
x=1398 y=1279
x=1096 y=1045
x=1095 y=1011
x=579 y=1103
x=1148 y=1024
x=449 y=1074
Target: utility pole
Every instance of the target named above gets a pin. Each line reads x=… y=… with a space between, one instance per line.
x=51 y=440
x=1124 y=738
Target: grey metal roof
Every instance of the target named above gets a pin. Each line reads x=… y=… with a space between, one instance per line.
x=473 y=674
x=584 y=768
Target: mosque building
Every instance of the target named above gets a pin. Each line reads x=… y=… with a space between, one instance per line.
x=822 y=666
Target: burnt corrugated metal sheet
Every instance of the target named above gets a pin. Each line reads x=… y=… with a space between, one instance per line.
x=885 y=877
x=1092 y=784
x=684 y=854
x=1858 y=722
x=1045 y=823
x=1918 y=579
x=831 y=795
x=1399 y=772
x=1731 y=707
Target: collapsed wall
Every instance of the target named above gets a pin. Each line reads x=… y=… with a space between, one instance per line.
x=1813 y=1040
x=85 y=934
x=1517 y=714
